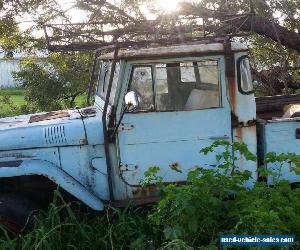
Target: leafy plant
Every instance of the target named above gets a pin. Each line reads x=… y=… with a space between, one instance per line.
x=151 y=177
x=195 y=212
x=216 y=201
x=279 y=161
x=9 y=108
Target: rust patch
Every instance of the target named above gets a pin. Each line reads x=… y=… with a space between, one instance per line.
x=251 y=129
x=143 y=196
x=151 y=190
x=136 y=202
x=83 y=142
x=230 y=73
x=16 y=155
x=232 y=93
x=49 y=116
x=239 y=134
x=176 y=167
x=87 y=112
x=251 y=123
x=241 y=130
x=143 y=192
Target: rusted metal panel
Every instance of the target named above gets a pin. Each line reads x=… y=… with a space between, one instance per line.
x=145 y=192
x=247 y=135
x=18 y=133
x=47 y=154
x=49 y=116
x=135 y=202
x=181 y=50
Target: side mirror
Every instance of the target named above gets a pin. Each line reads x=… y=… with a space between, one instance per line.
x=132 y=101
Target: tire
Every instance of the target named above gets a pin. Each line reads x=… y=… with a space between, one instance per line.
x=16 y=212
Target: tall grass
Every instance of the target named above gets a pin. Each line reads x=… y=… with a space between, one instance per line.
x=70 y=226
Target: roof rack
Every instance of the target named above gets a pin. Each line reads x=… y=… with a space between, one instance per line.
x=105 y=35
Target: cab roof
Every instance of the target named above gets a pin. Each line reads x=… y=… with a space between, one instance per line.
x=176 y=50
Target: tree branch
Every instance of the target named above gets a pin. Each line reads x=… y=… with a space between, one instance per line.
x=260 y=25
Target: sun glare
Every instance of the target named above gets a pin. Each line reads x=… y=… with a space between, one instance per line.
x=168 y=5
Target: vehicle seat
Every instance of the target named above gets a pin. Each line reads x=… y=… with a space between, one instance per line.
x=202 y=99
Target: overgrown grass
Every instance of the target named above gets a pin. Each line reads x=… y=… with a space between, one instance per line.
x=75 y=227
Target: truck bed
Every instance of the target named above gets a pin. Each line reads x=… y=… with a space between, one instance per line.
x=270 y=107
x=276 y=134
x=282 y=136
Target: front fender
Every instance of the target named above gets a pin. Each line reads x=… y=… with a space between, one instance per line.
x=54 y=173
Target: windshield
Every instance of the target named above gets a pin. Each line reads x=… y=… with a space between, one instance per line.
x=103 y=80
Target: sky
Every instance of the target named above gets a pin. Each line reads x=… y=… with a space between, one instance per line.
x=78 y=15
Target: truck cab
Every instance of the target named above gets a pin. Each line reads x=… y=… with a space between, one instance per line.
x=184 y=98
x=155 y=106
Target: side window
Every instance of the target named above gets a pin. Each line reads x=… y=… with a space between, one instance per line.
x=103 y=80
x=142 y=84
x=114 y=84
x=103 y=73
x=178 y=86
x=187 y=86
x=245 y=82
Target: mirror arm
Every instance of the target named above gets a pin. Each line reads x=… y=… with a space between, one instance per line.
x=114 y=132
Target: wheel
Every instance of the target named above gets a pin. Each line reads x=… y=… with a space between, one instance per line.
x=16 y=212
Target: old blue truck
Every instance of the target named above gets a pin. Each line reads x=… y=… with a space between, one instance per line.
x=153 y=107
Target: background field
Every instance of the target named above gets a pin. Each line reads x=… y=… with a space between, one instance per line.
x=17 y=97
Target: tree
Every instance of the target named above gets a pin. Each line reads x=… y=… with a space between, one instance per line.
x=38 y=13
x=273 y=28
x=274 y=25
x=56 y=82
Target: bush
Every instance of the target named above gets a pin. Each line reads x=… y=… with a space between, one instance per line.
x=9 y=108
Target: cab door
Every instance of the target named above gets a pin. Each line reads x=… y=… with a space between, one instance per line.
x=183 y=107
